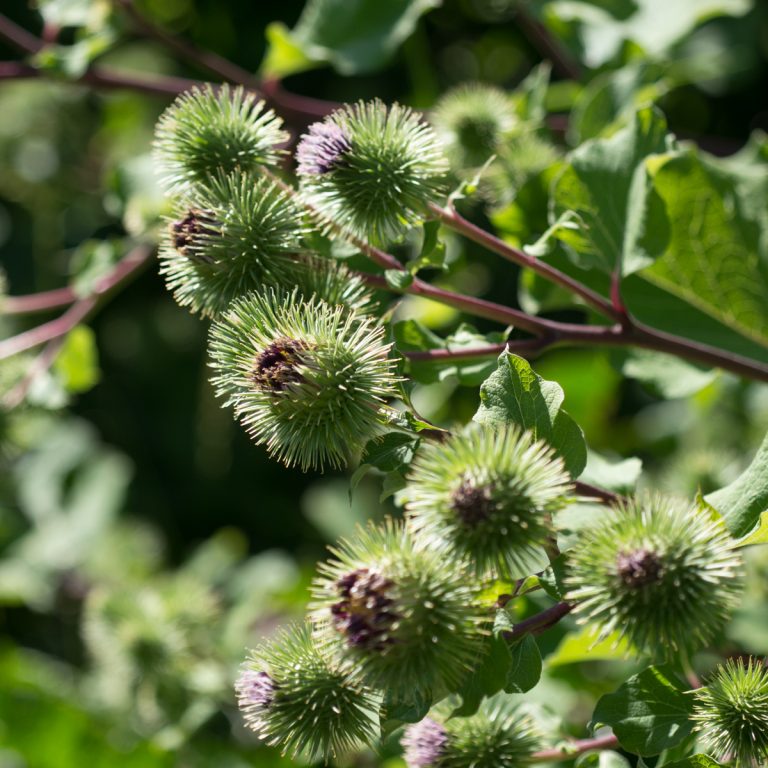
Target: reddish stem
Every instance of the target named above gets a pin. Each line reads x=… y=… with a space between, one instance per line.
x=37 y=302
x=575 y=748
x=80 y=310
x=207 y=60
x=547 y=45
x=454 y=220
x=539 y=622
x=593 y=492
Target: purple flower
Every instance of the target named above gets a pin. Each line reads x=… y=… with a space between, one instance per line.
x=320 y=149
x=424 y=743
x=365 y=612
x=255 y=690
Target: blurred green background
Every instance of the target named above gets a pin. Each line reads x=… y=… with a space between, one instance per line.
x=144 y=541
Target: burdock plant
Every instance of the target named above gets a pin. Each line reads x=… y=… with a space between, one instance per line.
x=392 y=611
x=731 y=712
x=663 y=573
x=297 y=699
x=487 y=497
x=371 y=170
x=472 y=121
x=306 y=378
x=500 y=735
x=230 y=236
x=215 y=130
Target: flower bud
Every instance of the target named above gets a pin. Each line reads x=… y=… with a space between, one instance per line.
x=209 y=131
x=294 y=698
x=305 y=378
x=487 y=496
x=371 y=170
x=398 y=614
x=658 y=571
x=472 y=121
x=731 y=712
x=498 y=736
x=230 y=236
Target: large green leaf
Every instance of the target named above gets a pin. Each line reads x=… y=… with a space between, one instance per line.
x=600 y=29
x=717 y=255
x=743 y=501
x=649 y=713
x=515 y=393
x=353 y=36
x=607 y=186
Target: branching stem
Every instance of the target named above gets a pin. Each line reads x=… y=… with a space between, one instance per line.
x=80 y=309
x=575 y=748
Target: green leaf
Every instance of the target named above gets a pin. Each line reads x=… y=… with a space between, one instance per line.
x=353 y=36
x=717 y=255
x=655 y=26
x=666 y=375
x=525 y=666
x=284 y=55
x=78 y=362
x=432 y=252
x=759 y=535
x=580 y=646
x=410 y=336
x=552 y=579
x=74 y=13
x=92 y=260
x=605 y=758
x=742 y=502
x=514 y=393
x=608 y=187
x=486 y=679
x=398 y=279
x=610 y=98
x=649 y=713
x=397 y=710
x=390 y=452
x=694 y=761
x=619 y=476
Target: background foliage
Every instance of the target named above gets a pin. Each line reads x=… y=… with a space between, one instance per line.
x=144 y=541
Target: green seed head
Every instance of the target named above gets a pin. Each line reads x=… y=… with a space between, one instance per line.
x=396 y=613
x=498 y=736
x=487 y=497
x=660 y=572
x=305 y=378
x=331 y=281
x=229 y=237
x=731 y=712
x=208 y=131
x=301 y=702
x=472 y=120
x=371 y=169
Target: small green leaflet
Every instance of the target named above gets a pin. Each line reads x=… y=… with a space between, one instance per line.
x=743 y=502
x=649 y=713
x=515 y=393
x=353 y=36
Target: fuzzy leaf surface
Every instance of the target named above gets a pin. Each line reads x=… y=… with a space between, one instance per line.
x=608 y=188
x=525 y=666
x=717 y=255
x=353 y=36
x=515 y=393
x=649 y=713
x=743 y=501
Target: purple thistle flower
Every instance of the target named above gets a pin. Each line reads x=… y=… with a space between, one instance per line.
x=365 y=614
x=424 y=743
x=321 y=149
x=255 y=691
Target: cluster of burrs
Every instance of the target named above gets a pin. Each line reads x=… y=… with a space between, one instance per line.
x=298 y=351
